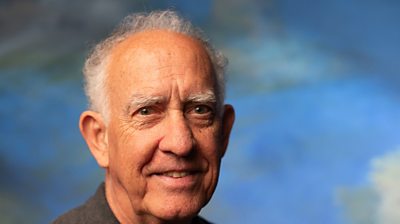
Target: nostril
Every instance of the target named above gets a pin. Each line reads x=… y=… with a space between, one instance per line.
x=178 y=138
x=178 y=146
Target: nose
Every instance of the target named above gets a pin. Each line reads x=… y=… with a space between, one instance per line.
x=178 y=137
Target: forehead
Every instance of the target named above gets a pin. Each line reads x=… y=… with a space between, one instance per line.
x=162 y=39
x=157 y=55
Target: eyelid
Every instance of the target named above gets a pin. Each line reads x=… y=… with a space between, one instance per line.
x=151 y=108
x=209 y=103
x=199 y=102
x=207 y=98
x=139 y=101
x=210 y=106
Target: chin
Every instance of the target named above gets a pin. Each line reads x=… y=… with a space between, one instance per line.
x=176 y=209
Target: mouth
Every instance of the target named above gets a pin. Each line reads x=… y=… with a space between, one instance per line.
x=177 y=179
x=176 y=174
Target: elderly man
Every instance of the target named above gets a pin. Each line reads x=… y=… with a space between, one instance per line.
x=157 y=123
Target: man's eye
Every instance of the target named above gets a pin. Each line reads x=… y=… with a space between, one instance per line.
x=145 y=111
x=202 y=109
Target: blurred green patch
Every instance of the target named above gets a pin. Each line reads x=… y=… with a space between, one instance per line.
x=15 y=210
x=359 y=204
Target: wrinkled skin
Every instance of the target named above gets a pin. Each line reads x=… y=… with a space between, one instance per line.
x=165 y=137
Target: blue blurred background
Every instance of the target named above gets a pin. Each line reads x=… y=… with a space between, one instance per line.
x=315 y=85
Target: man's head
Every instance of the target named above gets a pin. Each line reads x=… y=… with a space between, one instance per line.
x=95 y=69
x=165 y=128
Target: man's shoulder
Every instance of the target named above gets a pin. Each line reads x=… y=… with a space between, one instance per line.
x=200 y=220
x=76 y=215
x=94 y=210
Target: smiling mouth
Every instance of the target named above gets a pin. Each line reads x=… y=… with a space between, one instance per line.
x=176 y=174
x=177 y=179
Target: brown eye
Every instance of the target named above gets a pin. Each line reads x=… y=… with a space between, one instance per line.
x=201 y=109
x=144 y=111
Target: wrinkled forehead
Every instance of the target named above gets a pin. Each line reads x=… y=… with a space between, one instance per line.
x=161 y=38
x=157 y=47
x=150 y=55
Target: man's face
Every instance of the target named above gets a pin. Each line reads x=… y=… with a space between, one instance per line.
x=166 y=135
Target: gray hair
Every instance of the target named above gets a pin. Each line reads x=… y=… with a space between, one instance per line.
x=95 y=67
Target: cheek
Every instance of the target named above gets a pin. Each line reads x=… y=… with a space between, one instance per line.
x=130 y=151
x=209 y=143
x=210 y=149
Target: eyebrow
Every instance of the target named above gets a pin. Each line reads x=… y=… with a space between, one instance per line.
x=140 y=100
x=206 y=97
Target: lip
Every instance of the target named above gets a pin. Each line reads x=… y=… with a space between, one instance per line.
x=177 y=179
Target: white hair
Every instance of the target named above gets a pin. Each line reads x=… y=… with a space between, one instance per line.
x=96 y=64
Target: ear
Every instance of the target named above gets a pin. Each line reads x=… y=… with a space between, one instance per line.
x=228 y=118
x=94 y=131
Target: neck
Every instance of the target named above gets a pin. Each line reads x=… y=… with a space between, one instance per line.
x=119 y=202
